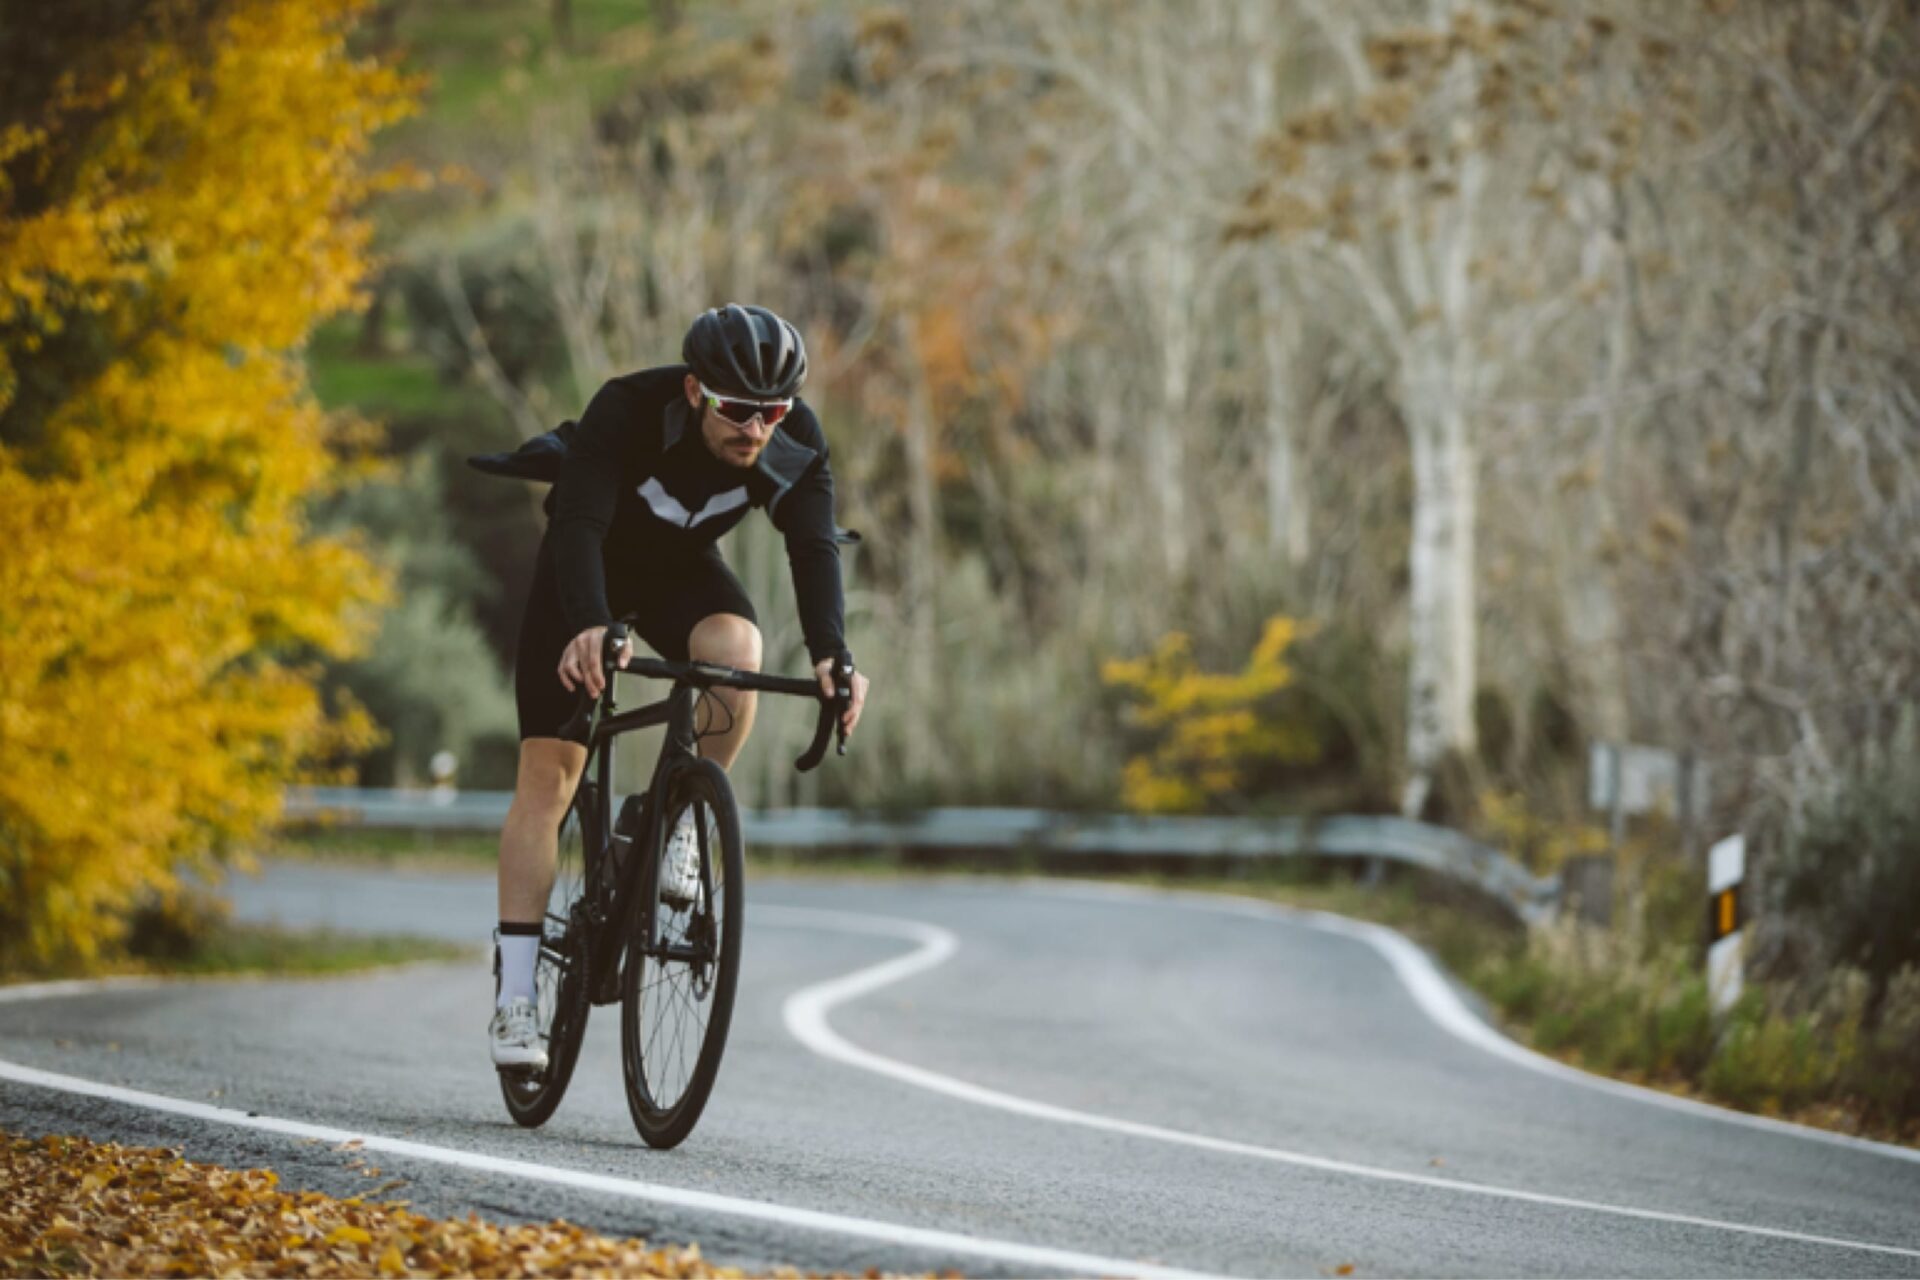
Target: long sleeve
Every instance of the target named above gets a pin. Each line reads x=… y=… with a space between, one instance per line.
x=584 y=499
x=805 y=515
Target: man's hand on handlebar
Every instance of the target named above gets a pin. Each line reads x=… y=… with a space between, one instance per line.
x=580 y=664
x=851 y=716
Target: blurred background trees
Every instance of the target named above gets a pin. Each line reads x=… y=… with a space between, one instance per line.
x=1548 y=356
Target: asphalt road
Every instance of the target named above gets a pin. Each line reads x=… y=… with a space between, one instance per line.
x=1001 y=1078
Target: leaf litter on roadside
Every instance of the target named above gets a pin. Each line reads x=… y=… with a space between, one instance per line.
x=72 y=1207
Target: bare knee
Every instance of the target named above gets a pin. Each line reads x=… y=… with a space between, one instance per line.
x=727 y=639
x=549 y=770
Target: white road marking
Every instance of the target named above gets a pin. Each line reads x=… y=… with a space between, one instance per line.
x=805 y=1013
x=74 y=987
x=1437 y=999
x=1021 y=1255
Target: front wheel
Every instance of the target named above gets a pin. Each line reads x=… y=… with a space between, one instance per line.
x=683 y=962
x=560 y=976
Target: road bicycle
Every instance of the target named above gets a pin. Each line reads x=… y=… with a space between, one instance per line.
x=609 y=933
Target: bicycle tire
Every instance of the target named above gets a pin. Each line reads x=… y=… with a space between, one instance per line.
x=664 y=995
x=561 y=977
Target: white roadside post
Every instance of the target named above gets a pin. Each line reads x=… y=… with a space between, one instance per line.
x=1726 y=868
x=442 y=768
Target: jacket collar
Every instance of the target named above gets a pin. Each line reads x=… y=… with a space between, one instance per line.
x=676 y=421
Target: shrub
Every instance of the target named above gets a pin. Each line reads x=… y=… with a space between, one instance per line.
x=1541 y=843
x=1771 y=1061
x=1848 y=882
x=1888 y=1075
x=171 y=925
x=1210 y=740
x=1604 y=998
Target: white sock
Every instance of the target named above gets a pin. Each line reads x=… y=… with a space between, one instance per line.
x=518 y=953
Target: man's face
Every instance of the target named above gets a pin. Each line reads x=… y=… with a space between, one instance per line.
x=733 y=444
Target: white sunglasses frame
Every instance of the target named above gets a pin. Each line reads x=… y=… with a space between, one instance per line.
x=713 y=399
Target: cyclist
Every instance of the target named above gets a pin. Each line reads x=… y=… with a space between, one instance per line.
x=663 y=462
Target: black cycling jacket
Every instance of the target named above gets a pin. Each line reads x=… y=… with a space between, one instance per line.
x=637 y=483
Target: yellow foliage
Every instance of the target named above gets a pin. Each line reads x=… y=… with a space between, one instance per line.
x=1542 y=843
x=161 y=597
x=1211 y=733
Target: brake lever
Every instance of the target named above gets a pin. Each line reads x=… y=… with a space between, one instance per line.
x=610 y=645
x=842 y=702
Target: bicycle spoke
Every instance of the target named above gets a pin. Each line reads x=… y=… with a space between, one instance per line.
x=558 y=996
x=679 y=1001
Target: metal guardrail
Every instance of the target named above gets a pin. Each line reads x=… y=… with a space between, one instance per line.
x=1436 y=849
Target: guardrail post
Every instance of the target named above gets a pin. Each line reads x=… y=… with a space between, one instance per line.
x=1586 y=887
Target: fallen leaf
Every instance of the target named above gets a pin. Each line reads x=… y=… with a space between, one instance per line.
x=68 y=1206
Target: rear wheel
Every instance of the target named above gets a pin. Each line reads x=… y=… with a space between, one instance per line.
x=683 y=963
x=560 y=976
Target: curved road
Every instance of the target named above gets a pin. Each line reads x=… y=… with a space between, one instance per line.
x=1000 y=1078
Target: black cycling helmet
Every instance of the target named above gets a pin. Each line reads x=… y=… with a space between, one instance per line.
x=746 y=351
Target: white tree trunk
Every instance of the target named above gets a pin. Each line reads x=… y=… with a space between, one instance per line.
x=1172 y=285
x=1280 y=337
x=1440 y=680
x=1594 y=582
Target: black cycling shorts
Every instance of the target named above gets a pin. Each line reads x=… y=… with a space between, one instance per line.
x=663 y=603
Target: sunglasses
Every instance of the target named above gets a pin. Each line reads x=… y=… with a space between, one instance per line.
x=741 y=412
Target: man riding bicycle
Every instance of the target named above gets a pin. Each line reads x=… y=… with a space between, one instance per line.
x=662 y=464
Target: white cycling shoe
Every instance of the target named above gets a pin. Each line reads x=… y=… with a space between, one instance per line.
x=515 y=1033
x=680 y=872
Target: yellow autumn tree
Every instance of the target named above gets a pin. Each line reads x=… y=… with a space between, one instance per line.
x=178 y=187
x=1209 y=735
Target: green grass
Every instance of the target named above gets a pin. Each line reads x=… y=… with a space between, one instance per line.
x=225 y=949
x=383 y=386
x=385 y=848
x=489 y=58
x=380 y=386
x=265 y=949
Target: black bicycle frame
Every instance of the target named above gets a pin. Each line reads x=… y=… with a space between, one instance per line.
x=676 y=711
x=604 y=722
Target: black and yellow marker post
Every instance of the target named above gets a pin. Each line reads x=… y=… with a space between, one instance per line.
x=1726 y=872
